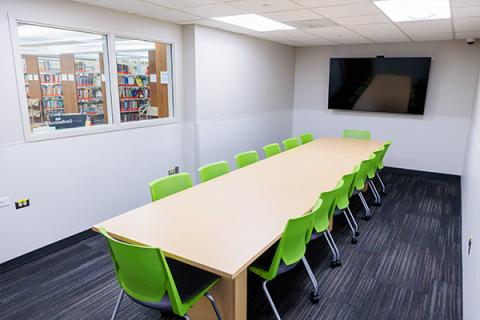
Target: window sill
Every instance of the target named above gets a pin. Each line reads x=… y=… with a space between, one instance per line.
x=74 y=132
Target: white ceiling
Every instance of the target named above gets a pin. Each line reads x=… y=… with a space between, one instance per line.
x=317 y=22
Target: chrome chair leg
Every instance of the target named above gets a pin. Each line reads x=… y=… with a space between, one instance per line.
x=338 y=262
x=353 y=221
x=314 y=294
x=354 y=237
x=265 y=290
x=186 y=317
x=333 y=264
x=214 y=305
x=117 y=305
x=381 y=183
x=365 y=205
x=372 y=187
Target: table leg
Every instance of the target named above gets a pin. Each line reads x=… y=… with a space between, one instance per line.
x=231 y=298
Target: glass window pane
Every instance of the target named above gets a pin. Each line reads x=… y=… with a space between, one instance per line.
x=144 y=79
x=64 y=77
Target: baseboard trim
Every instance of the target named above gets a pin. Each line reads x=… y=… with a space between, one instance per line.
x=44 y=251
x=421 y=173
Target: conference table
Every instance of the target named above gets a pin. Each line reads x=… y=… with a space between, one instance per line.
x=224 y=224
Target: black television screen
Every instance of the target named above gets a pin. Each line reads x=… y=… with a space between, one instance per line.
x=379 y=84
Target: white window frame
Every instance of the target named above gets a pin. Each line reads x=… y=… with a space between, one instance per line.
x=111 y=81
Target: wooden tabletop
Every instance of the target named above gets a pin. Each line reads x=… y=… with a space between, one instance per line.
x=224 y=224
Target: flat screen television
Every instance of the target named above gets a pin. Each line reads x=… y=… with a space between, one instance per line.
x=397 y=85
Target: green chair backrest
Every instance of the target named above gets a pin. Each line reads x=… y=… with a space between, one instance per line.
x=345 y=192
x=385 y=148
x=325 y=207
x=169 y=185
x=271 y=149
x=306 y=138
x=293 y=243
x=243 y=159
x=290 y=143
x=143 y=272
x=356 y=134
x=372 y=169
x=361 y=176
x=213 y=170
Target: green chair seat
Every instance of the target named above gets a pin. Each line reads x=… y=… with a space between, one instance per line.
x=356 y=134
x=306 y=138
x=246 y=158
x=385 y=149
x=213 y=170
x=147 y=277
x=271 y=149
x=169 y=185
x=290 y=143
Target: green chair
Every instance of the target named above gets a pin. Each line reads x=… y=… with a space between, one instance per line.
x=306 y=138
x=360 y=182
x=169 y=185
x=213 y=170
x=356 y=134
x=343 y=196
x=154 y=281
x=285 y=255
x=371 y=173
x=290 y=143
x=380 y=164
x=323 y=211
x=271 y=149
x=246 y=158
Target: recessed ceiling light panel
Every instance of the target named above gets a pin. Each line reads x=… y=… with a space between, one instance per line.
x=254 y=22
x=415 y=10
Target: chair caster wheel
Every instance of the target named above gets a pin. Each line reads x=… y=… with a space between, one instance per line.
x=354 y=240
x=357 y=233
x=338 y=263
x=333 y=264
x=314 y=297
x=377 y=204
x=367 y=218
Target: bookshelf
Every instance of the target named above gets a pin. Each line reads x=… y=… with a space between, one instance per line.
x=33 y=89
x=90 y=88
x=51 y=87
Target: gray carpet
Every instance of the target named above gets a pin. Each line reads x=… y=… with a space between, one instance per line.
x=406 y=265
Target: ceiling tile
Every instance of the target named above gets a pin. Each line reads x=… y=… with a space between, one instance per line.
x=426 y=26
x=130 y=6
x=326 y=3
x=432 y=36
x=169 y=15
x=466 y=24
x=261 y=6
x=462 y=12
x=178 y=4
x=85 y=1
x=468 y=34
x=319 y=42
x=384 y=32
x=359 y=20
x=214 y=10
x=339 y=34
x=295 y=35
x=293 y=15
x=349 y=10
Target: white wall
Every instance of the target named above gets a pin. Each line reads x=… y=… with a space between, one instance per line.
x=433 y=142
x=471 y=217
x=244 y=93
x=75 y=182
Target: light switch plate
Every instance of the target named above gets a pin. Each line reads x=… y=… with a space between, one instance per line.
x=4 y=202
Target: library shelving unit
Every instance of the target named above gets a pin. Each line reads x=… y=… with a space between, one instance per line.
x=90 y=88
x=51 y=87
x=32 y=89
x=132 y=86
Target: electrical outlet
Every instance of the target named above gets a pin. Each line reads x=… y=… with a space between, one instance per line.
x=4 y=202
x=22 y=203
x=174 y=170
